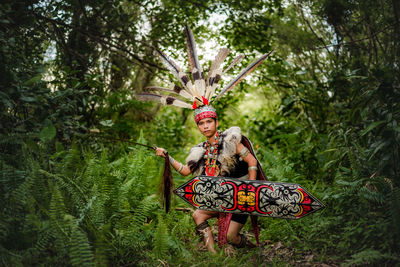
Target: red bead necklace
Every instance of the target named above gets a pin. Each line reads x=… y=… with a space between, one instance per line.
x=211 y=155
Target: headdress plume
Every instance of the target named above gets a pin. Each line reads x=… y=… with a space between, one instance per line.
x=243 y=74
x=165 y=100
x=195 y=67
x=198 y=90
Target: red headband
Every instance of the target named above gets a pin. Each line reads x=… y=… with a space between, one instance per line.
x=204 y=112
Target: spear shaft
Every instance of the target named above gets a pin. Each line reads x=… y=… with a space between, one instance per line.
x=139 y=144
x=128 y=141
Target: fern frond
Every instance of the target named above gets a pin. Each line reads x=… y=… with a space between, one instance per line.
x=19 y=199
x=144 y=210
x=57 y=210
x=368 y=257
x=4 y=226
x=80 y=252
x=14 y=139
x=160 y=239
x=78 y=197
x=102 y=246
x=85 y=210
x=10 y=179
x=44 y=240
x=9 y=258
x=71 y=163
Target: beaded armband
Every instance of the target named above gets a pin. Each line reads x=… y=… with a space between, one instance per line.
x=180 y=168
x=243 y=153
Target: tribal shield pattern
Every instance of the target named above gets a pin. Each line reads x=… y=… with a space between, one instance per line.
x=260 y=198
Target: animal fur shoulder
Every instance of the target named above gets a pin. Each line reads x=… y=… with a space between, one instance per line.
x=231 y=137
x=196 y=153
x=194 y=161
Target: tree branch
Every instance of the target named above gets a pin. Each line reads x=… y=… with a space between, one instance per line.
x=109 y=44
x=299 y=7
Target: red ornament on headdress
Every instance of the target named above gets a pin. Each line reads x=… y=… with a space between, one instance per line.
x=205 y=101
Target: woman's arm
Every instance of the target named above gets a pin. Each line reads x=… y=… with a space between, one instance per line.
x=179 y=167
x=249 y=159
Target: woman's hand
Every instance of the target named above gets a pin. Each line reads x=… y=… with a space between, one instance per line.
x=161 y=152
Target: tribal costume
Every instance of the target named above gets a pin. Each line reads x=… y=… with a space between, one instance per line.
x=229 y=164
x=228 y=161
x=198 y=93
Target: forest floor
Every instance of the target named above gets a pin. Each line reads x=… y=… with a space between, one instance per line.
x=270 y=254
x=276 y=254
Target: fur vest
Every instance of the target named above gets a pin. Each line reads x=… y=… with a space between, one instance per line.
x=227 y=157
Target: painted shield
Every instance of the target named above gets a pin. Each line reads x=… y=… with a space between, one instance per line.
x=260 y=198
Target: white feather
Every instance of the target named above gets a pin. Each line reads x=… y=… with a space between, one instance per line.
x=200 y=86
x=211 y=88
x=183 y=93
x=188 y=86
x=177 y=103
x=234 y=62
x=219 y=58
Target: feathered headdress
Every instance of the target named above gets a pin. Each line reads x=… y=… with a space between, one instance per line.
x=196 y=93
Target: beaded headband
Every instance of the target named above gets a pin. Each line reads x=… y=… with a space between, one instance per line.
x=204 y=112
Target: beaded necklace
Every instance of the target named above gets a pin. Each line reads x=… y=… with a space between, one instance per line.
x=212 y=154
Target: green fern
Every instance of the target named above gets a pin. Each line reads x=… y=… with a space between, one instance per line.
x=133 y=186
x=44 y=239
x=102 y=246
x=57 y=212
x=79 y=249
x=14 y=189
x=368 y=257
x=144 y=210
x=91 y=171
x=9 y=258
x=78 y=197
x=83 y=212
x=160 y=239
x=71 y=163
x=10 y=179
x=84 y=209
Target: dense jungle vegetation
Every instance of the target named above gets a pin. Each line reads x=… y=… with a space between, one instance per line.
x=322 y=111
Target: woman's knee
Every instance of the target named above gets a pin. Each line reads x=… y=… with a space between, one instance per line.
x=198 y=217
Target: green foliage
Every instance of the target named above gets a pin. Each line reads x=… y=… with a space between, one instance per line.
x=76 y=210
x=370 y=257
x=160 y=239
x=74 y=192
x=79 y=249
